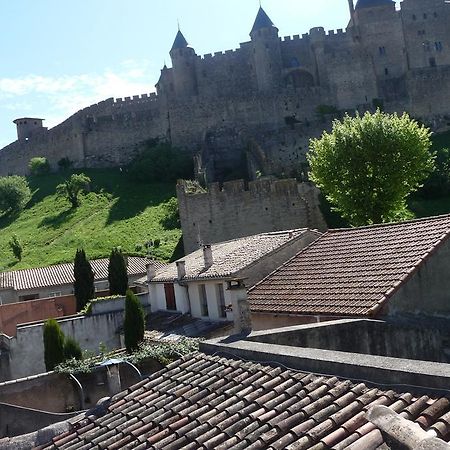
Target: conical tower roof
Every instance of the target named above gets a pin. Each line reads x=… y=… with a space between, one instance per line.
x=180 y=41
x=262 y=21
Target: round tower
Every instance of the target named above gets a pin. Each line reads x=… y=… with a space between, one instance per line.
x=184 y=67
x=26 y=126
x=266 y=52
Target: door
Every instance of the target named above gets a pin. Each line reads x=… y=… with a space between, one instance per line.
x=171 y=304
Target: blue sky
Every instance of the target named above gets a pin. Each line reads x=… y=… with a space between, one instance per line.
x=61 y=55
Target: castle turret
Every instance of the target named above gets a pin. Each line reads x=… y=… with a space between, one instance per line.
x=183 y=63
x=266 y=52
x=26 y=126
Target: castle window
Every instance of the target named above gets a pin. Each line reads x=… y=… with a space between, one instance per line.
x=382 y=50
x=425 y=15
x=414 y=17
x=438 y=46
x=432 y=62
x=386 y=71
x=435 y=14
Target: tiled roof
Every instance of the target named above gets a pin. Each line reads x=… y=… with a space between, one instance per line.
x=350 y=271
x=211 y=402
x=230 y=257
x=62 y=274
x=180 y=41
x=262 y=21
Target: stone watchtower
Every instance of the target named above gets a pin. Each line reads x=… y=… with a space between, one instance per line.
x=184 y=67
x=266 y=52
x=26 y=126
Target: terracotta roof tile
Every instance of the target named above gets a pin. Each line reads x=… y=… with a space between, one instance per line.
x=213 y=402
x=62 y=274
x=231 y=256
x=350 y=271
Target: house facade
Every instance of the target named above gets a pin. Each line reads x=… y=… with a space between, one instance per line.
x=199 y=283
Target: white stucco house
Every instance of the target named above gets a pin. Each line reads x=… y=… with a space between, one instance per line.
x=198 y=283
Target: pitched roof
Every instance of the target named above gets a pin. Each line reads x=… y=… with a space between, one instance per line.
x=231 y=256
x=217 y=403
x=180 y=41
x=62 y=274
x=262 y=21
x=350 y=271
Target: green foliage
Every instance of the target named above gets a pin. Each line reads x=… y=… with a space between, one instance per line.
x=438 y=184
x=117 y=273
x=134 y=322
x=172 y=219
x=72 y=187
x=367 y=166
x=161 y=162
x=53 y=344
x=16 y=247
x=117 y=212
x=84 y=279
x=39 y=166
x=72 y=350
x=87 y=310
x=65 y=163
x=163 y=352
x=15 y=193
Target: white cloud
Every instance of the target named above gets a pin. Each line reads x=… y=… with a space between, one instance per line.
x=56 y=98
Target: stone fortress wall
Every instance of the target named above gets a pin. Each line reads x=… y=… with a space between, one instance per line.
x=262 y=98
x=236 y=210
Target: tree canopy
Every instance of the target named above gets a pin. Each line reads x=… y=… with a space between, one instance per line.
x=72 y=187
x=14 y=194
x=117 y=273
x=368 y=165
x=84 y=280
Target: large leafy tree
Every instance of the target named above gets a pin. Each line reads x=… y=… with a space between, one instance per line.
x=367 y=166
x=72 y=188
x=14 y=194
x=53 y=344
x=117 y=273
x=84 y=280
x=134 y=322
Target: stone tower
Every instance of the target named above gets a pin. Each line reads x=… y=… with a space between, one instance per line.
x=184 y=70
x=26 y=126
x=266 y=52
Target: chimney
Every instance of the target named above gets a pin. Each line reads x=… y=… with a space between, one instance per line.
x=151 y=271
x=241 y=307
x=208 y=256
x=181 y=269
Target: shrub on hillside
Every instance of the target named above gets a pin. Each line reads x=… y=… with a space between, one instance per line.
x=39 y=165
x=161 y=163
x=14 y=194
x=73 y=187
x=134 y=322
x=171 y=220
x=16 y=247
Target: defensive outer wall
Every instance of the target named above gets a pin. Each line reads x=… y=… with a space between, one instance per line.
x=233 y=211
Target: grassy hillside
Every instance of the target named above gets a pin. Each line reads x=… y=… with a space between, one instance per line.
x=117 y=212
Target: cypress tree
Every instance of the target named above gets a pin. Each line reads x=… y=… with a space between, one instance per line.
x=117 y=273
x=53 y=344
x=134 y=323
x=84 y=280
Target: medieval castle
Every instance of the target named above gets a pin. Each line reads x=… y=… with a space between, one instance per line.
x=265 y=99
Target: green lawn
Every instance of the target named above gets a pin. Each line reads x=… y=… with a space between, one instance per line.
x=117 y=212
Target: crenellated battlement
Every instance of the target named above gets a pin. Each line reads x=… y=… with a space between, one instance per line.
x=217 y=55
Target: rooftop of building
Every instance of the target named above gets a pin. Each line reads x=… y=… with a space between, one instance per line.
x=230 y=257
x=62 y=274
x=350 y=271
x=262 y=21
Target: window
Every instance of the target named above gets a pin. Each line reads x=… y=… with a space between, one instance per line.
x=169 y=290
x=386 y=71
x=435 y=14
x=425 y=15
x=221 y=300
x=438 y=46
x=27 y=297
x=54 y=294
x=203 y=300
x=382 y=50
x=432 y=62
x=414 y=17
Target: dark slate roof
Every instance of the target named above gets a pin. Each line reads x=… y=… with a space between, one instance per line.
x=180 y=41
x=350 y=271
x=373 y=3
x=262 y=21
x=62 y=274
x=211 y=402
